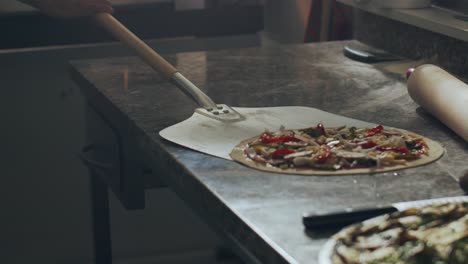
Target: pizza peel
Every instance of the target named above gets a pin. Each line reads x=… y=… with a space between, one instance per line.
x=216 y=129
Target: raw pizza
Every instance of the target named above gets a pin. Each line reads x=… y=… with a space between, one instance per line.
x=433 y=234
x=321 y=150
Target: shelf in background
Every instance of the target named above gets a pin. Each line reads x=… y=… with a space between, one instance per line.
x=151 y=20
x=434 y=19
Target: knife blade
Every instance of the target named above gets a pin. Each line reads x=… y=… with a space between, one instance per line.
x=354 y=215
x=368 y=56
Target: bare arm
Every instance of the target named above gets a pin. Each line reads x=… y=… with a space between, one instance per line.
x=71 y=8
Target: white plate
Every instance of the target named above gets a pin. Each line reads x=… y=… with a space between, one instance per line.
x=326 y=252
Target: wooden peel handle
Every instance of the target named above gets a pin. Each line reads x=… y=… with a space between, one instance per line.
x=157 y=62
x=146 y=53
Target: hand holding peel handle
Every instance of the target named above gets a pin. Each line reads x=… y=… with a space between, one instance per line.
x=71 y=8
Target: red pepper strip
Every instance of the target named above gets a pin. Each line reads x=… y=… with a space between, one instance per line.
x=401 y=150
x=368 y=144
x=321 y=128
x=268 y=139
x=374 y=131
x=279 y=153
x=324 y=155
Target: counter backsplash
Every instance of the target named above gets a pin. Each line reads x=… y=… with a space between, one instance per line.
x=412 y=42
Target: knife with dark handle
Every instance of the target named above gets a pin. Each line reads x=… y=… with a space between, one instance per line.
x=342 y=218
x=352 y=215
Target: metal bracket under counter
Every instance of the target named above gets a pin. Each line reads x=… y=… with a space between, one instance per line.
x=113 y=156
x=114 y=162
x=117 y=161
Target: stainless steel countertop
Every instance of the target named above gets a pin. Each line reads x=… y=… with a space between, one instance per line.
x=262 y=211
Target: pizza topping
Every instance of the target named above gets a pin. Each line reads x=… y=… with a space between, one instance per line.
x=321 y=129
x=312 y=132
x=374 y=131
x=402 y=150
x=368 y=144
x=350 y=155
x=301 y=161
x=267 y=137
x=279 y=153
x=298 y=154
x=323 y=154
x=293 y=144
x=335 y=148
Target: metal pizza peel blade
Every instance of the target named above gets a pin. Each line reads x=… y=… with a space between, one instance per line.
x=218 y=137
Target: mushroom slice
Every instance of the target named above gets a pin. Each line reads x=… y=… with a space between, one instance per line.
x=350 y=154
x=301 y=161
x=333 y=143
x=298 y=154
x=347 y=144
x=396 y=141
x=390 y=131
x=250 y=152
x=306 y=139
x=293 y=144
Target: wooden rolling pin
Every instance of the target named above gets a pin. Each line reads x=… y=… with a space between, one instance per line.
x=442 y=95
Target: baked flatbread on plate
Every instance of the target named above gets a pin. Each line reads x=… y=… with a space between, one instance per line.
x=432 y=234
x=336 y=151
